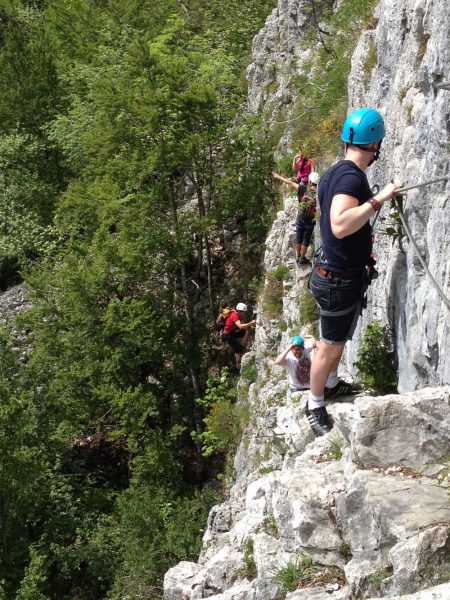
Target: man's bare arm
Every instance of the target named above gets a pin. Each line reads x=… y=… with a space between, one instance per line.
x=347 y=217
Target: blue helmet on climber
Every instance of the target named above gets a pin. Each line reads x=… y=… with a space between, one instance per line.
x=363 y=126
x=298 y=341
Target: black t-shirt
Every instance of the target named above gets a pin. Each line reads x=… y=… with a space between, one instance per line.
x=352 y=251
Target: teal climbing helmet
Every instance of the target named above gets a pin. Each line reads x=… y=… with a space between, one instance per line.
x=363 y=126
x=297 y=340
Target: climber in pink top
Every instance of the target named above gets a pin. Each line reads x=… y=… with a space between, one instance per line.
x=302 y=167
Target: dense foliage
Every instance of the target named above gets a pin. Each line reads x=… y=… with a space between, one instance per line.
x=376 y=362
x=122 y=165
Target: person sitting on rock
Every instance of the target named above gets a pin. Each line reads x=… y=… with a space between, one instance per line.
x=305 y=223
x=297 y=360
x=235 y=332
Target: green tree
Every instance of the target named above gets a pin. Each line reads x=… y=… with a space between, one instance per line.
x=121 y=163
x=376 y=362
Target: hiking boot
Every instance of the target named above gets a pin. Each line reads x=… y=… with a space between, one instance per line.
x=302 y=260
x=319 y=420
x=342 y=388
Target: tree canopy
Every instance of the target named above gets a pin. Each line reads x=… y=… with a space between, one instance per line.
x=125 y=157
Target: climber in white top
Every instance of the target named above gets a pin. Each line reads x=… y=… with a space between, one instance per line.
x=297 y=360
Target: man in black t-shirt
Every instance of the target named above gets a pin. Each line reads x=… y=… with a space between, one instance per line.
x=339 y=279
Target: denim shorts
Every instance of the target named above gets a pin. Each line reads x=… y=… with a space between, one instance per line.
x=343 y=297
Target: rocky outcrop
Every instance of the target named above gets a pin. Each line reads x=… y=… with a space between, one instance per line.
x=12 y=303
x=277 y=55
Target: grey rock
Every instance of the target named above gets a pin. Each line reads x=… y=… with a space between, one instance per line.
x=439 y=592
x=376 y=511
x=13 y=302
x=267 y=557
x=425 y=555
x=411 y=430
x=218 y=574
x=303 y=503
x=179 y=581
x=242 y=590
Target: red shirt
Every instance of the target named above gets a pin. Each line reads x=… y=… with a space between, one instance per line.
x=230 y=323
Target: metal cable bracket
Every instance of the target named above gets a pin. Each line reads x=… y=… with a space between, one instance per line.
x=420 y=257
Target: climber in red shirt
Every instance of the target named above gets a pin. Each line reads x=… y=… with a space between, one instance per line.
x=235 y=332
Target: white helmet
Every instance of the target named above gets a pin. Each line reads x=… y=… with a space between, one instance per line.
x=241 y=306
x=314 y=177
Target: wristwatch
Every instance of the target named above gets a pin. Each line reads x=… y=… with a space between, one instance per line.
x=375 y=204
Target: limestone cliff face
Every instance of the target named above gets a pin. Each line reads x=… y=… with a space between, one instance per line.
x=365 y=499
x=277 y=55
x=410 y=43
x=413 y=58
